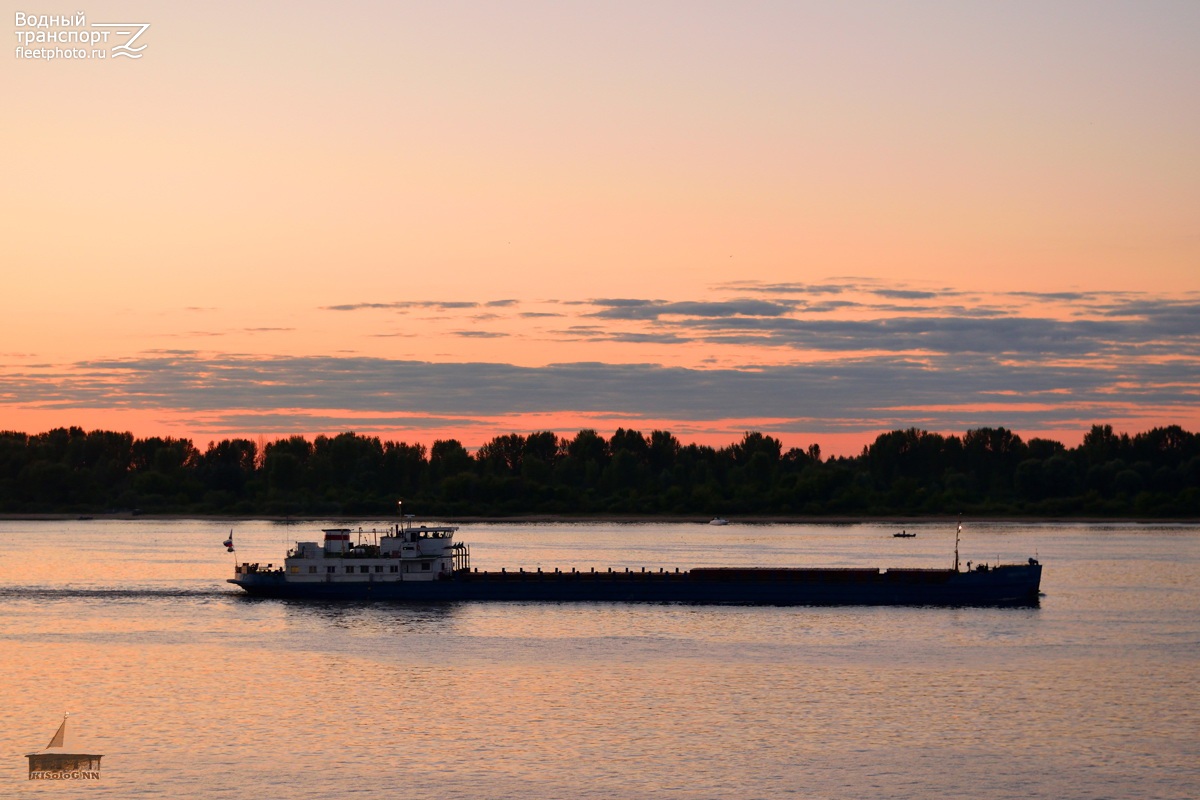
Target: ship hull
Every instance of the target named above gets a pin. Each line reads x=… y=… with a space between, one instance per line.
x=1008 y=585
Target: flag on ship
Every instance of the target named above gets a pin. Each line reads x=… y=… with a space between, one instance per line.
x=229 y=541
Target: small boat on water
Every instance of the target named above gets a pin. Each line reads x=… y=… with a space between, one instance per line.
x=718 y=521
x=412 y=563
x=903 y=535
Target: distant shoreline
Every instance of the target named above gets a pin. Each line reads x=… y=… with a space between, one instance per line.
x=534 y=519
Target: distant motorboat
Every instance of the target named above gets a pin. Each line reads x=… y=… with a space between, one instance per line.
x=903 y=535
x=718 y=521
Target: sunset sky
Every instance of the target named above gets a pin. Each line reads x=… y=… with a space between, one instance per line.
x=819 y=220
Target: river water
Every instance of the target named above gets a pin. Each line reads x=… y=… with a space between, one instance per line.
x=189 y=689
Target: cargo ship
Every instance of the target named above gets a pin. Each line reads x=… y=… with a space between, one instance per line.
x=419 y=563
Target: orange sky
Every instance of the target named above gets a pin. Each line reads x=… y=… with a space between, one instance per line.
x=861 y=190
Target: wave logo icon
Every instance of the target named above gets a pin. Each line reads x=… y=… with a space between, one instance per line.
x=127 y=49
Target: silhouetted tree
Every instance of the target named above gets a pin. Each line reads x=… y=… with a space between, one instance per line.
x=989 y=470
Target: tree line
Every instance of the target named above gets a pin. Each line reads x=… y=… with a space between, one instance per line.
x=987 y=471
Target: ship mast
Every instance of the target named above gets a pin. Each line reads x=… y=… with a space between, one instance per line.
x=957 y=534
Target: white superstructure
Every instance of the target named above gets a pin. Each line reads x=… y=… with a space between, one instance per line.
x=402 y=552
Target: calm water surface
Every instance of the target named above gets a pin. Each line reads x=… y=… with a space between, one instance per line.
x=191 y=690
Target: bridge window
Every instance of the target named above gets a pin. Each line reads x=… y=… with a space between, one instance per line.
x=312 y=569
x=331 y=569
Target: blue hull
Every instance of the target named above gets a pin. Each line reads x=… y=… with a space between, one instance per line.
x=1007 y=585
